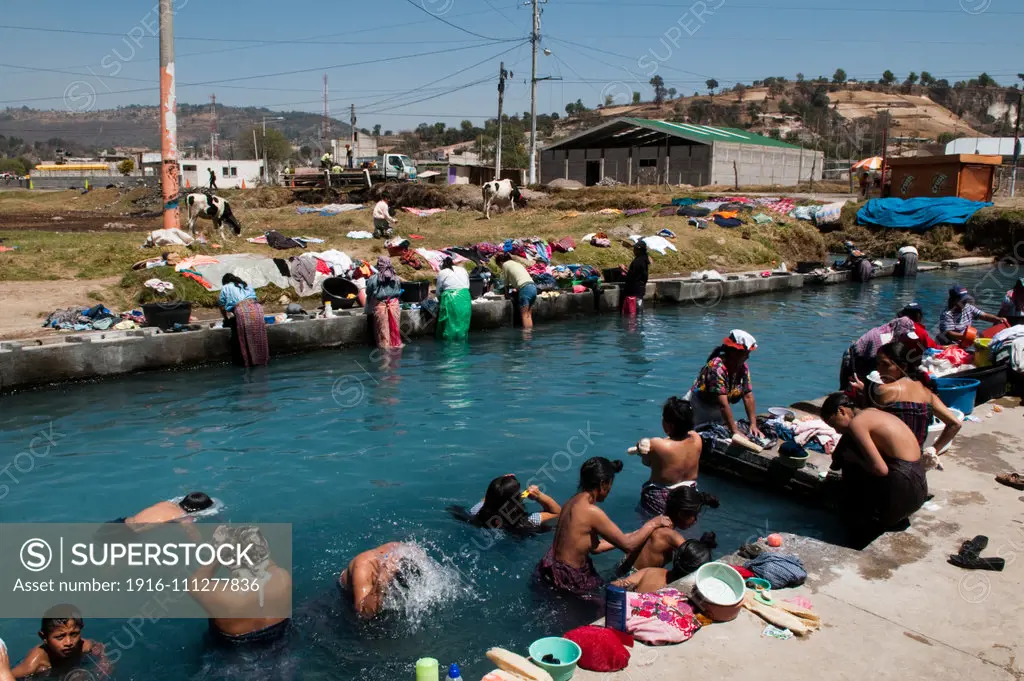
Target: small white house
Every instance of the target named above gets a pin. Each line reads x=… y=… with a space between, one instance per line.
x=231 y=174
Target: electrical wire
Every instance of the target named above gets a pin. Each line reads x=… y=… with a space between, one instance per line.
x=455 y=26
x=777 y=8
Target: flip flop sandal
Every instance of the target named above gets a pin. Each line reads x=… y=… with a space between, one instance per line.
x=1014 y=480
x=975 y=563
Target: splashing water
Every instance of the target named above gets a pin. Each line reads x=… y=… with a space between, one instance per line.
x=420 y=585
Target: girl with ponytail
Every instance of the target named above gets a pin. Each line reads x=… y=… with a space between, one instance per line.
x=673 y=460
x=683 y=508
x=585 y=529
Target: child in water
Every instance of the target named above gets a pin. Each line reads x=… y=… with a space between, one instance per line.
x=685 y=561
x=63 y=647
x=502 y=507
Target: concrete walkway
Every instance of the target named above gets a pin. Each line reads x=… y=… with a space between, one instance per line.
x=896 y=610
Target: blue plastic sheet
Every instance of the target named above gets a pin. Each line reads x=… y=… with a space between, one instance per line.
x=920 y=214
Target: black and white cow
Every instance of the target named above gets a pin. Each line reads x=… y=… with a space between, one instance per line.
x=500 y=193
x=213 y=208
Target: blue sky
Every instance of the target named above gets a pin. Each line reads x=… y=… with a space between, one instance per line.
x=597 y=47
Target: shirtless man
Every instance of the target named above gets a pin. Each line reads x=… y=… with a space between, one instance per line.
x=674 y=461
x=168 y=511
x=369 y=574
x=683 y=508
x=883 y=478
x=63 y=648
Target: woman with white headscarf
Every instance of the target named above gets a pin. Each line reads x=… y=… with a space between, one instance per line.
x=724 y=381
x=383 y=290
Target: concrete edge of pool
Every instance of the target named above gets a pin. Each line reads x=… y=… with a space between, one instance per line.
x=27 y=364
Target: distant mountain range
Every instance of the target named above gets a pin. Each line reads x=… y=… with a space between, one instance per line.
x=138 y=126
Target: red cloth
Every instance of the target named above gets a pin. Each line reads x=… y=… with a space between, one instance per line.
x=744 y=572
x=922 y=333
x=323 y=267
x=955 y=356
x=416 y=236
x=629 y=306
x=991 y=332
x=604 y=649
x=564 y=245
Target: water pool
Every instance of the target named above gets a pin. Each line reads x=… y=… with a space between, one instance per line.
x=355 y=453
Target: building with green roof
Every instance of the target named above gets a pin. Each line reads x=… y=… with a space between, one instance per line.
x=643 y=151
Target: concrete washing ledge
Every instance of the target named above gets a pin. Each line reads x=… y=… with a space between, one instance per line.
x=26 y=364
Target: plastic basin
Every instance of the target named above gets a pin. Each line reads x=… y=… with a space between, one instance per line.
x=565 y=651
x=719 y=591
x=958 y=393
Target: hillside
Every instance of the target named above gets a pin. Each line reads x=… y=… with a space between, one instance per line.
x=138 y=126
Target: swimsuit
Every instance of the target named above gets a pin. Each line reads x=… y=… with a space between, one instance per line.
x=261 y=636
x=917 y=415
x=653 y=497
x=579 y=581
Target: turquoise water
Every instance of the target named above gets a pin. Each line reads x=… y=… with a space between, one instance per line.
x=355 y=452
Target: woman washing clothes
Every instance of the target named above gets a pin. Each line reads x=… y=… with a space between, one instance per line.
x=860 y=359
x=636 y=281
x=685 y=561
x=585 y=529
x=673 y=460
x=455 y=306
x=382 y=292
x=724 y=381
x=238 y=306
x=502 y=507
x=907 y=392
x=960 y=315
x=683 y=508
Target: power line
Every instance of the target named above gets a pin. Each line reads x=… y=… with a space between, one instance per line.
x=776 y=8
x=622 y=56
x=448 y=23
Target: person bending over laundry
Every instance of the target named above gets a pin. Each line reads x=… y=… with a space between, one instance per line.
x=584 y=529
x=1013 y=303
x=683 y=508
x=270 y=589
x=859 y=358
x=908 y=393
x=383 y=290
x=518 y=279
x=502 y=507
x=685 y=561
x=636 y=281
x=960 y=315
x=724 y=381
x=883 y=477
x=63 y=648
x=383 y=221
x=240 y=310
x=673 y=460
x=906 y=264
x=915 y=313
x=169 y=511
x=455 y=305
x=370 y=575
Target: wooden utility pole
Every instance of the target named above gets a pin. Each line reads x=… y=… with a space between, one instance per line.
x=170 y=181
x=535 y=40
x=352 y=135
x=1016 y=147
x=502 y=74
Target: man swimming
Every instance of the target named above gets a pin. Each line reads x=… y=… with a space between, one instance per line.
x=168 y=511
x=371 y=573
x=63 y=647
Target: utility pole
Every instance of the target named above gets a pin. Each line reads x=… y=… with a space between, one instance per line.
x=352 y=134
x=325 y=128
x=502 y=74
x=214 y=147
x=1016 y=147
x=535 y=40
x=169 y=171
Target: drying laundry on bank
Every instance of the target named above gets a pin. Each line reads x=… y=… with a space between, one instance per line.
x=423 y=212
x=96 y=318
x=330 y=209
x=275 y=239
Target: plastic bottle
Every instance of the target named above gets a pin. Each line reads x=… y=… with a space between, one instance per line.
x=328 y=311
x=427 y=669
x=615 y=606
x=453 y=673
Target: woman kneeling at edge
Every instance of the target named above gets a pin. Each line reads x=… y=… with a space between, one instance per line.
x=382 y=292
x=683 y=508
x=503 y=509
x=685 y=561
x=674 y=461
x=724 y=381
x=455 y=305
x=583 y=529
x=240 y=310
x=636 y=281
x=907 y=392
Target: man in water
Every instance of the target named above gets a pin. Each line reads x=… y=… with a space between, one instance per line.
x=63 y=647
x=883 y=477
x=371 y=573
x=168 y=511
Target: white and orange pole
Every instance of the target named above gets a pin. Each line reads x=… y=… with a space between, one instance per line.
x=169 y=175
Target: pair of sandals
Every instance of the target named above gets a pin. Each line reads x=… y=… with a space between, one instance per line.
x=1014 y=480
x=970 y=558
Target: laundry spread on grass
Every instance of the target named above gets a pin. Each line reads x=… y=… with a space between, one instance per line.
x=423 y=212
x=919 y=214
x=330 y=209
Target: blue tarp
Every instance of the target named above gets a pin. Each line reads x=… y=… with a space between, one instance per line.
x=920 y=214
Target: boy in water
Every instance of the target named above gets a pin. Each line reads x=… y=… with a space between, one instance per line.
x=370 y=574
x=168 y=511
x=63 y=647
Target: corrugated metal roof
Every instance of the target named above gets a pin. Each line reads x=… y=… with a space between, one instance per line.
x=709 y=134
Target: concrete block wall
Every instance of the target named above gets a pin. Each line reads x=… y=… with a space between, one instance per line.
x=758 y=165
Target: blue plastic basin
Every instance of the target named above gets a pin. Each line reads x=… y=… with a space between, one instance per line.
x=958 y=393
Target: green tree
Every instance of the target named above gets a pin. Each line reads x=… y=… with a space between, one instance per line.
x=13 y=165
x=609 y=100
x=636 y=97
x=800 y=78
x=985 y=80
x=126 y=166
x=888 y=78
x=911 y=79
x=658 y=83
x=839 y=77
x=376 y=130
x=741 y=91
x=775 y=134
x=927 y=79
x=712 y=85
x=672 y=92
x=278 y=148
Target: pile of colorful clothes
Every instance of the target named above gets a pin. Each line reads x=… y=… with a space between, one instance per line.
x=96 y=318
x=810 y=433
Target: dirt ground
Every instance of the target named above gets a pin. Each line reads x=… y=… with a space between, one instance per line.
x=26 y=303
